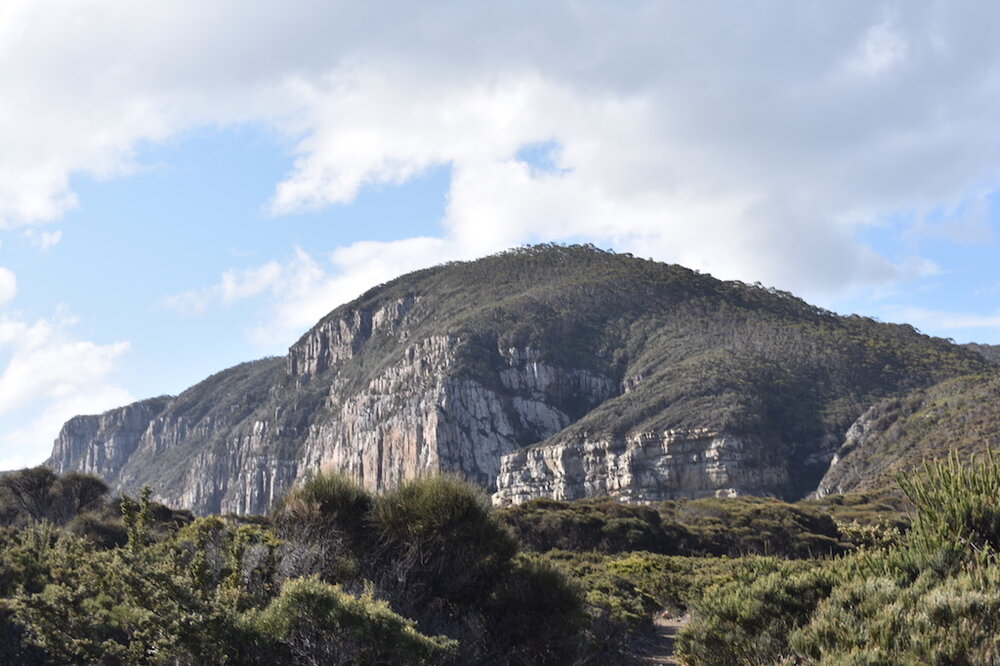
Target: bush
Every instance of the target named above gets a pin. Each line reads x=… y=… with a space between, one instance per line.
x=957 y=513
x=325 y=526
x=312 y=622
x=592 y=524
x=37 y=493
x=748 y=619
x=326 y=500
x=438 y=540
x=886 y=620
x=534 y=615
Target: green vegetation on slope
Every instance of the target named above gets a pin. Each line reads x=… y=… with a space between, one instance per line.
x=703 y=527
x=931 y=596
x=423 y=574
x=900 y=433
x=695 y=351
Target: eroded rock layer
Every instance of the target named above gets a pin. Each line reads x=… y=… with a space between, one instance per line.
x=643 y=467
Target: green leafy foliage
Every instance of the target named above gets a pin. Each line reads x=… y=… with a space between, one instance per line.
x=748 y=619
x=432 y=578
x=928 y=597
x=313 y=622
x=712 y=526
x=37 y=493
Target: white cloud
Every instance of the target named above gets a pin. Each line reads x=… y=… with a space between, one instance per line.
x=942 y=319
x=47 y=375
x=751 y=140
x=881 y=48
x=299 y=292
x=31 y=443
x=43 y=240
x=8 y=286
x=46 y=362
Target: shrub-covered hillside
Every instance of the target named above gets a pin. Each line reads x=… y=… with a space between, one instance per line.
x=896 y=435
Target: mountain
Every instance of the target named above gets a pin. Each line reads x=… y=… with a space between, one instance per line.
x=543 y=371
x=989 y=352
x=896 y=435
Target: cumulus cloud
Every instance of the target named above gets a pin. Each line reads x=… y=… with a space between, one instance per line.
x=43 y=240
x=752 y=140
x=298 y=292
x=8 y=286
x=48 y=375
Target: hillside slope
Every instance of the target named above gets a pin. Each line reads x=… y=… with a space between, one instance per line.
x=897 y=435
x=553 y=371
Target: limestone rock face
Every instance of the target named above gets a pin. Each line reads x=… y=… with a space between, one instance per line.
x=858 y=434
x=420 y=416
x=642 y=467
x=102 y=444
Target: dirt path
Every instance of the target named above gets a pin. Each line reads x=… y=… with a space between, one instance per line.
x=659 y=649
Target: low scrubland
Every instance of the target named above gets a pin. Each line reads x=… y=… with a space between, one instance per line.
x=428 y=573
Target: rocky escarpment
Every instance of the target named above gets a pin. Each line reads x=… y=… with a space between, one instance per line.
x=418 y=416
x=642 y=467
x=543 y=371
x=102 y=444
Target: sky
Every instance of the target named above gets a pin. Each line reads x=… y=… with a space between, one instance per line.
x=187 y=185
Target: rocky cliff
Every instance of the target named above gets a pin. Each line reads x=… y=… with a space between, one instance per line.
x=641 y=467
x=555 y=371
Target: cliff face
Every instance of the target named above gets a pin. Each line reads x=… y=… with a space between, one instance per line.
x=643 y=467
x=101 y=445
x=417 y=416
x=559 y=372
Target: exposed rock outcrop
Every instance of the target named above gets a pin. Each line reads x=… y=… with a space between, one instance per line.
x=897 y=435
x=642 y=467
x=102 y=444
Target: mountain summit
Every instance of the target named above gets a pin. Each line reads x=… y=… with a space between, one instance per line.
x=541 y=371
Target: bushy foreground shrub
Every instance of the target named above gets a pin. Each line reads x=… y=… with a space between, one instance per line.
x=884 y=620
x=932 y=597
x=748 y=619
x=315 y=622
x=423 y=574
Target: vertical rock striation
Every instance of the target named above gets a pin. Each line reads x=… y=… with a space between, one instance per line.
x=102 y=444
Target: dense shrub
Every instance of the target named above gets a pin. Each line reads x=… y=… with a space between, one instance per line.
x=534 y=615
x=325 y=501
x=712 y=526
x=324 y=526
x=931 y=596
x=311 y=622
x=37 y=493
x=438 y=540
x=121 y=606
x=594 y=524
x=890 y=620
x=748 y=619
x=957 y=513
